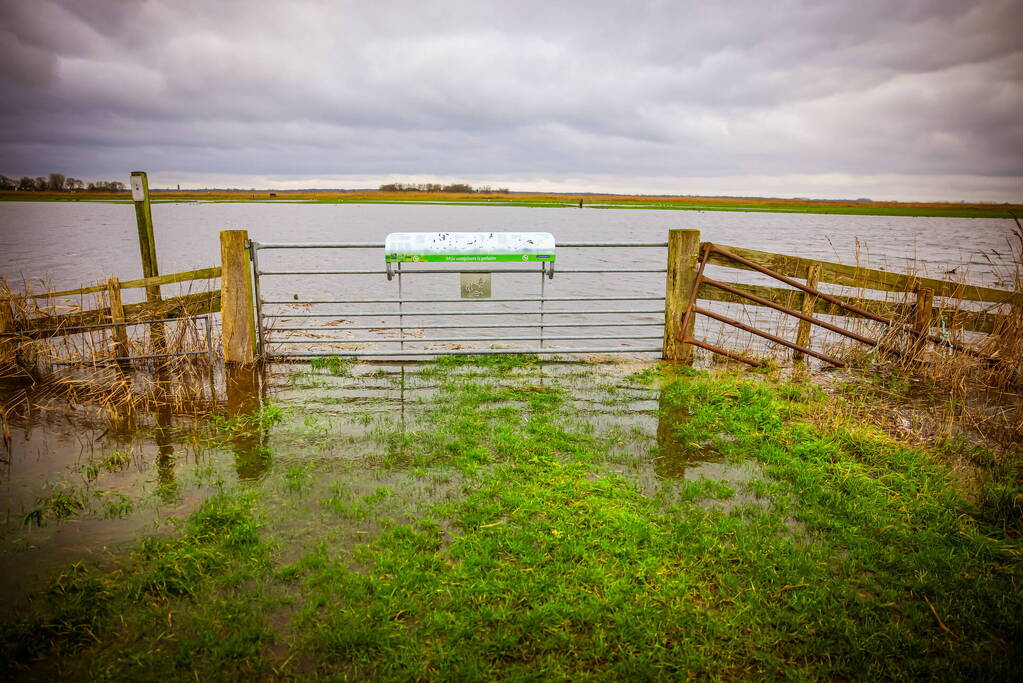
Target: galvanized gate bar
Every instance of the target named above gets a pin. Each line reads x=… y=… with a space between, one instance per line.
x=430 y=340
x=380 y=245
x=461 y=301
x=401 y=314
x=258 y=298
x=364 y=314
x=442 y=271
x=469 y=352
x=628 y=323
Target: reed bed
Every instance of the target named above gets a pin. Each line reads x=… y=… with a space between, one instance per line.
x=85 y=367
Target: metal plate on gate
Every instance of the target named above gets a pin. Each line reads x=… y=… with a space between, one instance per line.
x=475 y=285
x=441 y=247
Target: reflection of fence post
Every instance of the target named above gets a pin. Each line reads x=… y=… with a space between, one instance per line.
x=922 y=318
x=236 y=313
x=117 y=316
x=244 y=398
x=803 y=331
x=683 y=254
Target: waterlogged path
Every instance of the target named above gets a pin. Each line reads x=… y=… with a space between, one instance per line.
x=518 y=519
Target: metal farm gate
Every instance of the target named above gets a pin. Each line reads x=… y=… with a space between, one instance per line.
x=413 y=318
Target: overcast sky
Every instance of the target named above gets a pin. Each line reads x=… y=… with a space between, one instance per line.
x=905 y=100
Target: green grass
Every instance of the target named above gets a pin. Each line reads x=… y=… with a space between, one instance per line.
x=943 y=210
x=847 y=556
x=336 y=365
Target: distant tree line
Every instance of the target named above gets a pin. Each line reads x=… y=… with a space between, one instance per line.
x=57 y=182
x=437 y=187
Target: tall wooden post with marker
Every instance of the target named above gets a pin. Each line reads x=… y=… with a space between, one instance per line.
x=683 y=256
x=238 y=327
x=147 y=245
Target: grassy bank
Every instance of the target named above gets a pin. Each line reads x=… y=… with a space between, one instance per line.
x=524 y=522
x=867 y=208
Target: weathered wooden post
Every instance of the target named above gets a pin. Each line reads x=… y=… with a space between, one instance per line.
x=8 y=346
x=803 y=331
x=147 y=246
x=238 y=328
x=1009 y=329
x=117 y=316
x=147 y=241
x=683 y=255
x=922 y=319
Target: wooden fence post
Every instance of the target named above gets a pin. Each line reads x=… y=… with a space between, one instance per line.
x=803 y=331
x=1009 y=329
x=147 y=247
x=683 y=255
x=8 y=346
x=147 y=241
x=238 y=328
x=922 y=318
x=117 y=316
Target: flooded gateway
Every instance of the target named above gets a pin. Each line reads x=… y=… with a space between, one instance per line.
x=494 y=516
x=81 y=483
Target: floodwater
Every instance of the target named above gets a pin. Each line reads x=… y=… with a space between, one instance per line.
x=71 y=244
x=137 y=475
x=97 y=482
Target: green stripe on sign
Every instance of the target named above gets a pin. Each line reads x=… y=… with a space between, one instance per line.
x=461 y=258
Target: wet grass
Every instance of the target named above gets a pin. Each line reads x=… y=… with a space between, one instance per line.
x=503 y=530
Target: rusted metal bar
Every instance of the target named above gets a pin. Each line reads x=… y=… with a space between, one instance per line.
x=798 y=285
x=838 y=302
x=778 y=307
x=724 y=352
x=768 y=336
x=687 y=316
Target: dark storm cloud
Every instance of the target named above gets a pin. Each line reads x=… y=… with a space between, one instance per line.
x=514 y=90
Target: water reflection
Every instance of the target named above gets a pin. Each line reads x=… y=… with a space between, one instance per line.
x=676 y=455
x=167 y=486
x=245 y=394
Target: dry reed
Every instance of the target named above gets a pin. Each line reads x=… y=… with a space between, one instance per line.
x=73 y=367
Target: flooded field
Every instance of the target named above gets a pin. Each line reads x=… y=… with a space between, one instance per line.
x=78 y=484
x=495 y=517
x=486 y=518
x=98 y=240
x=69 y=243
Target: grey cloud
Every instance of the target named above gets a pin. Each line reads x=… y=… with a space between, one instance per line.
x=654 y=89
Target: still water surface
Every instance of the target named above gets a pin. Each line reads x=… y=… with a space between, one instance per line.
x=74 y=242
x=70 y=244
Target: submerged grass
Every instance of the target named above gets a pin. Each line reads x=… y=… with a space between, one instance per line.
x=851 y=555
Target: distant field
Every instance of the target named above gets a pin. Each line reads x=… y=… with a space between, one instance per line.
x=555 y=200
